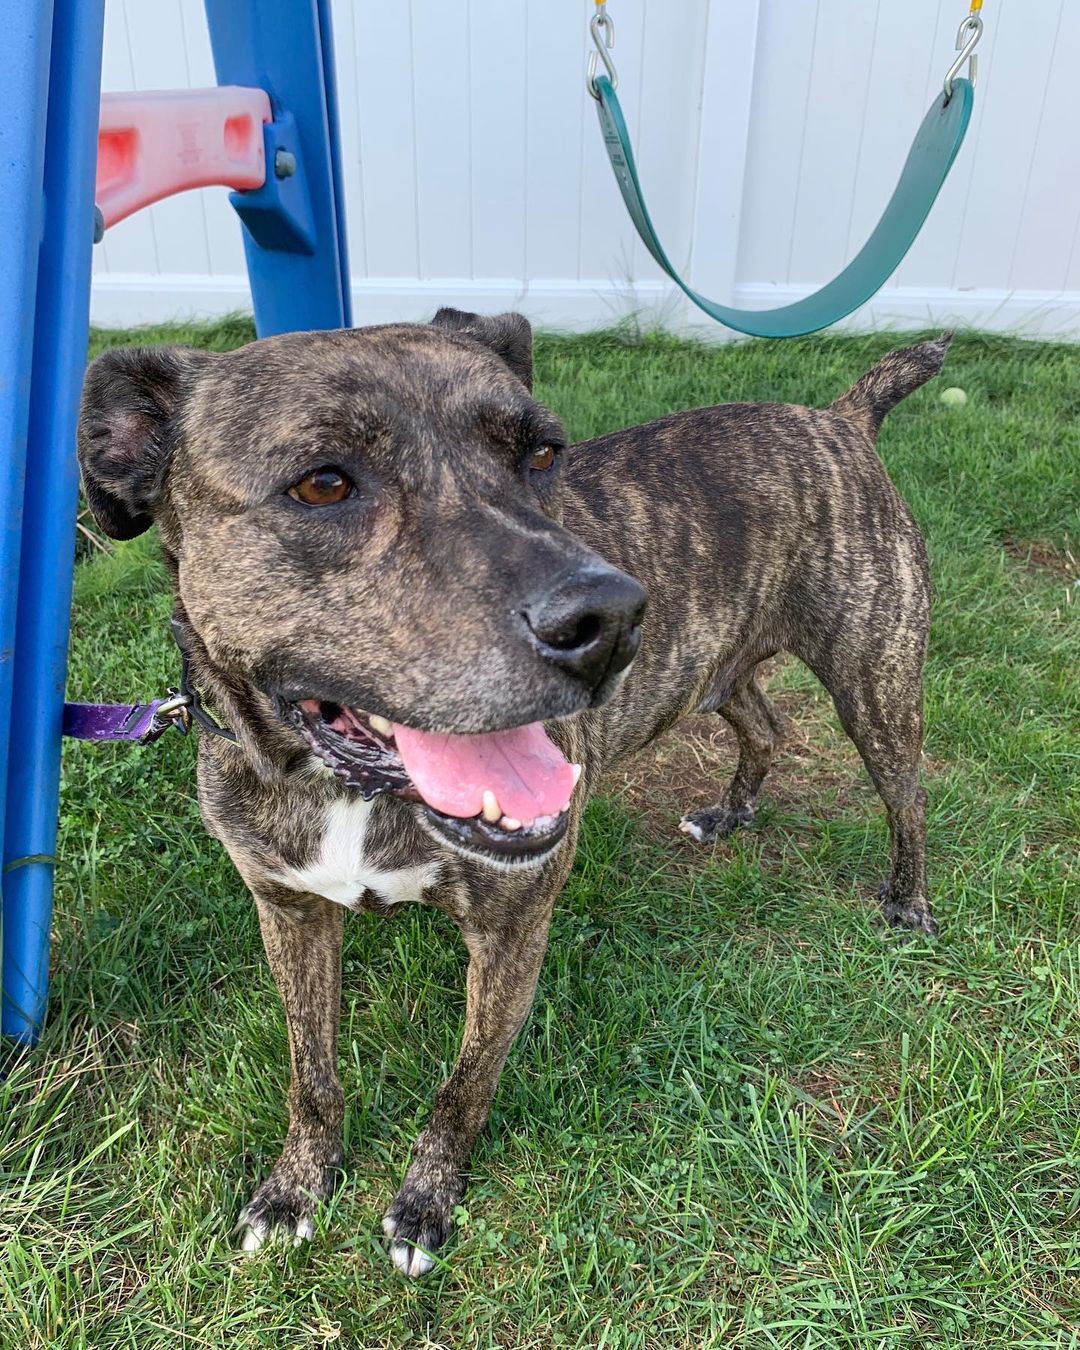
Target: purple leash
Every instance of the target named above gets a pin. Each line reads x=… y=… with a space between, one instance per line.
x=143 y=723
x=140 y=723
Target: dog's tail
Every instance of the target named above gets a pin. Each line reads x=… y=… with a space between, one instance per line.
x=892 y=379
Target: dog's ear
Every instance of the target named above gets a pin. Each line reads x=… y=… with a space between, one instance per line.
x=127 y=427
x=508 y=335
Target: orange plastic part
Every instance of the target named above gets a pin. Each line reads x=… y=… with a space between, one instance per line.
x=153 y=145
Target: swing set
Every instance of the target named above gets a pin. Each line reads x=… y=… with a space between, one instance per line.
x=73 y=163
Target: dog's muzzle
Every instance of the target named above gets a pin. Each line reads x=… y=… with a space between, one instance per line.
x=500 y=795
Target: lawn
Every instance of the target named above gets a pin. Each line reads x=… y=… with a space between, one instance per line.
x=741 y=1114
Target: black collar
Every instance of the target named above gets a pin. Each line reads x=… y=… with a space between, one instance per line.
x=195 y=704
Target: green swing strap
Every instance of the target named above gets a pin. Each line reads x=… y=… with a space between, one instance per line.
x=929 y=160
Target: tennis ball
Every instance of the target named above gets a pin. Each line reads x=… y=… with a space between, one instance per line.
x=953 y=398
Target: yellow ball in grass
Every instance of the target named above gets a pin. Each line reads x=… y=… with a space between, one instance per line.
x=953 y=398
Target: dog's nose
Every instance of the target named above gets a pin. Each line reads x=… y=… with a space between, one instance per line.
x=589 y=625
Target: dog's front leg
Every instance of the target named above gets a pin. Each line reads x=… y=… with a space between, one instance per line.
x=302 y=937
x=504 y=964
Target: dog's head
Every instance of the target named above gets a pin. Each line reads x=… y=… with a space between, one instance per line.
x=364 y=528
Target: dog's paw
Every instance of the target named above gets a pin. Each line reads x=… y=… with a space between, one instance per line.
x=714 y=822
x=906 y=911
x=418 y=1222
x=280 y=1210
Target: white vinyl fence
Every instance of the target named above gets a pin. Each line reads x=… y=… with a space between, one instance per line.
x=769 y=135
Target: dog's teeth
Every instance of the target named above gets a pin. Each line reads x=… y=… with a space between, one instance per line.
x=509 y=823
x=492 y=810
x=527 y=823
x=577 y=768
x=381 y=725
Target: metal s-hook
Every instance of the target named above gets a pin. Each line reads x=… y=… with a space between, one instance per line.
x=967 y=39
x=602 y=28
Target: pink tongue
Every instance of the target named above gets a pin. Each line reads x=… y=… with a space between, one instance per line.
x=529 y=776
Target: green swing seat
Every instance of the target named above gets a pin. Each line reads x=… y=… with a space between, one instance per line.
x=931 y=156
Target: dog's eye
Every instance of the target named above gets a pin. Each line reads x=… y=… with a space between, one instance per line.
x=542 y=459
x=324 y=487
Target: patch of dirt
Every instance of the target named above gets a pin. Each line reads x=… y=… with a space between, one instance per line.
x=1043 y=555
x=820 y=1082
x=825 y=1104
x=816 y=770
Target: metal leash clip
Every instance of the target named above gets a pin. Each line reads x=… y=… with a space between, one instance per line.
x=174 y=711
x=967 y=39
x=602 y=28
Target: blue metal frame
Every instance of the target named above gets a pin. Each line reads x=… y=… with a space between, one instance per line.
x=333 y=127
x=61 y=325
x=24 y=68
x=50 y=63
x=299 y=277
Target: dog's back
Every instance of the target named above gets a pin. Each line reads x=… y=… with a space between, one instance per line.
x=756 y=476
x=755 y=528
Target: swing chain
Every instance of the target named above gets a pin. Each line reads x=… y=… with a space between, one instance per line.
x=967 y=39
x=602 y=28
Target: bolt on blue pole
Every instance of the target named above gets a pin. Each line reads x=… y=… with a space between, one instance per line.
x=294 y=234
x=51 y=494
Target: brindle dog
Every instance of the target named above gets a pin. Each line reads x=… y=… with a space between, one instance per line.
x=391 y=573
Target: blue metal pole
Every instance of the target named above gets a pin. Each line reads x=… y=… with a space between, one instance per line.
x=24 y=78
x=333 y=123
x=51 y=495
x=294 y=234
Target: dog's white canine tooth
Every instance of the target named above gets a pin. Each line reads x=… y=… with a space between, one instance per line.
x=577 y=768
x=382 y=725
x=492 y=810
x=509 y=823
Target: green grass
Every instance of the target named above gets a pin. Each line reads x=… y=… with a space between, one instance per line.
x=740 y=1114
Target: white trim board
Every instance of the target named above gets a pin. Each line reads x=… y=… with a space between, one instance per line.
x=129 y=299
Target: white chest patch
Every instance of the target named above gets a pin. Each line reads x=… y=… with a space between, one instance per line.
x=341 y=871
